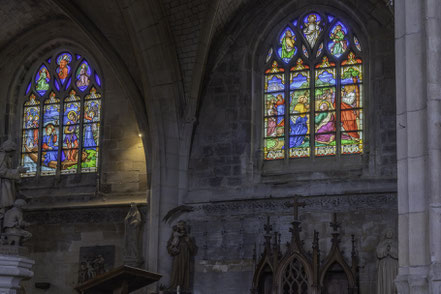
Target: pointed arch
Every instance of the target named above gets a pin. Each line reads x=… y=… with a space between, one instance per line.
x=317 y=108
x=68 y=124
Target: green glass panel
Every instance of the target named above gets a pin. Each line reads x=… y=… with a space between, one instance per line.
x=274 y=148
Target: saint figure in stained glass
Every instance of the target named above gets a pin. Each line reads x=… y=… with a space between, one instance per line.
x=288 y=41
x=70 y=138
x=338 y=45
x=349 y=116
x=312 y=29
x=90 y=129
x=63 y=69
x=50 y=146
x=82 y=75
x=299 y=124
x=325 y=124
x=42 y=80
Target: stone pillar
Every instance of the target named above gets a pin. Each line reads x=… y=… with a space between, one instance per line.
x=13 y=270
x=418 y=77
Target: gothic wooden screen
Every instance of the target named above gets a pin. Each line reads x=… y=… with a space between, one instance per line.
x=295 y=279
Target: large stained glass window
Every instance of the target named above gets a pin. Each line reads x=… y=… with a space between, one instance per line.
x=313 y=90
x=62 y=117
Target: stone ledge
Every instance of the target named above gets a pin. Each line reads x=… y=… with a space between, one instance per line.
x=339 y=203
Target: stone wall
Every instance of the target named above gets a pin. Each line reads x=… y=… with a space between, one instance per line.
x=227 y=233
x=123 y=175
x=226 y=150
x=58 y=236
x=83 y=210
x=235 y=190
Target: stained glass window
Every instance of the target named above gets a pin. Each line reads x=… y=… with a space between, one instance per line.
x=62 y=110
x=314 y=82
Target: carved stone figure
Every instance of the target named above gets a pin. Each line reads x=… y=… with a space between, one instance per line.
x=387 y=266
x=8 y=175
x=132 y=223
x=182 y=247
x=13 y=224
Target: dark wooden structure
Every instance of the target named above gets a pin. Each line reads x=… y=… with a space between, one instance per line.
x=299 y=272
x=122 y=280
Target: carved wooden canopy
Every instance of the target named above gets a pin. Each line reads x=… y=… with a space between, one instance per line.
x=299 y=272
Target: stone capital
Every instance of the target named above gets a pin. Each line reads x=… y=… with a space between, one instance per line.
x=418 y=284
x=402 y=284
x=13 y=270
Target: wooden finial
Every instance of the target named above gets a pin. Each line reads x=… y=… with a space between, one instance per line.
x=335 y=224
x=296 y=204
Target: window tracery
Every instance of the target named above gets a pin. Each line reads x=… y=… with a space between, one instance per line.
x=62 y=117
x=313 y=90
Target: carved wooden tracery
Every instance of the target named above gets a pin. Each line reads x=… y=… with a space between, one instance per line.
x=299 y=272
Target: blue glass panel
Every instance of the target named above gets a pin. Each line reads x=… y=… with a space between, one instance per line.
x=51 y=114
x=57 y=85
x=97 y=79
x=299 y=80
x=326 y=78
x=274 y=83
x=28 y=88
x=68 y=83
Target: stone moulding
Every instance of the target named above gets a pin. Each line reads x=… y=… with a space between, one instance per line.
x=338 y=203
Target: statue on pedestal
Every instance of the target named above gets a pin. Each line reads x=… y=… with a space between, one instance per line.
x=8 y=175
x=387 y=264
x=133 y=222
x=182 y=247
x=13 y=224
x=12 y=254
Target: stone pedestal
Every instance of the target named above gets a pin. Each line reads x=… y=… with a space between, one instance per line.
x=13 y=270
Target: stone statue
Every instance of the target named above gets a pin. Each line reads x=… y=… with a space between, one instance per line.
x=182 y=247
x=8 y=175
x=387 y=265
x=132 y=223
x=13 y=224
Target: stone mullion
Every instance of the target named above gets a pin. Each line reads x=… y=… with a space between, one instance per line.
x=40 y=135
x=81 y=137
x=338 y=110
x=287 y=112
x=312 y=110
x=60 y=135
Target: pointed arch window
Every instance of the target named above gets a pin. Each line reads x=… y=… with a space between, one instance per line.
x=62 y=117
x=313 y=90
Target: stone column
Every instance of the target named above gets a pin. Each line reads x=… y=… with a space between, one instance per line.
x=417 y=45
x=13 y=270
